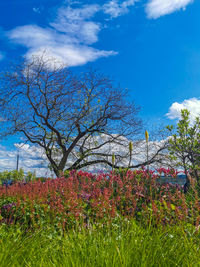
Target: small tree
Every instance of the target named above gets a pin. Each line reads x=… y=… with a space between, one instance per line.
x=184 y=145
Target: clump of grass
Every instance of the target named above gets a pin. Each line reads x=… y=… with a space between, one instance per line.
x=121 y=244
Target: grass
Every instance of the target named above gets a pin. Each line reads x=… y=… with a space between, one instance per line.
x=83 y=221
x=121 y=244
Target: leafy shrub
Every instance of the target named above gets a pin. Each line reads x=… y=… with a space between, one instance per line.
x=8 y=177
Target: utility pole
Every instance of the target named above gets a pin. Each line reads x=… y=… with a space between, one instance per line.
x=17 y=167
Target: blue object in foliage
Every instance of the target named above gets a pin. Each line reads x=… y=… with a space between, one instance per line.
x=7 y=182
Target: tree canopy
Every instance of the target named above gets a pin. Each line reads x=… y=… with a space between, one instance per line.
x=184 y=144
x=72 y=117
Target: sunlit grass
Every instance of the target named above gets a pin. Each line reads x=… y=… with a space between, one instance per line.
x=121 y=244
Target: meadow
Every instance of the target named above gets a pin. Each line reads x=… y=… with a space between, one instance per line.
x=121 y=218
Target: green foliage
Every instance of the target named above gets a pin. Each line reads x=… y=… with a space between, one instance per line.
x=31 y=176
x=66 y=173
x=121 y=172
x=12 y=175
x=184 y=145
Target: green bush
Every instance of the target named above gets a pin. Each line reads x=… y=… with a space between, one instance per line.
x=13 y=176
x=8 y=177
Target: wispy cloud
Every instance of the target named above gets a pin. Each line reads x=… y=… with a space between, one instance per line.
x=192 y=104
x=158 y=8
x=71 y=35
x=77 y=24
x=115 y=8
x=36 y=10
x=68 y=38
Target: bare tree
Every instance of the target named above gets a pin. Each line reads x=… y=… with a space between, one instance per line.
x=71 y=117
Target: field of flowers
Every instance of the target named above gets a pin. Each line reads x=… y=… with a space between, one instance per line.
x=122 y=218
x=85 y=198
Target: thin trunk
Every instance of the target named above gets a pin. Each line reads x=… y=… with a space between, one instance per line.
x=196 y=175
x=187 y=184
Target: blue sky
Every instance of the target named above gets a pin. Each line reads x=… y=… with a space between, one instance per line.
x=151 y=47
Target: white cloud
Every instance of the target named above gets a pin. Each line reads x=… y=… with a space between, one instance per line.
x=71 y=55
x=158 y=8
x=68 y=38
x=76 y=24
x=75 y=14
x=28 y=160
x=71 y=35
x=192 y=104
x=32 y=158
x=32 y=36
x=115 y=9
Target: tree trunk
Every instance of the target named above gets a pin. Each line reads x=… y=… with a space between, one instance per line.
x=187 y=183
